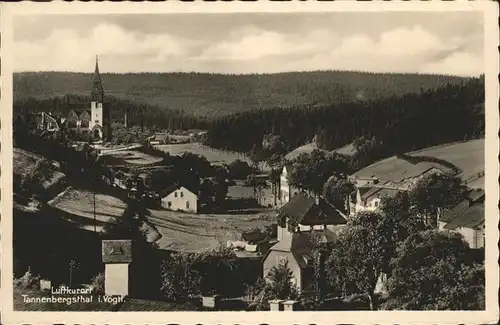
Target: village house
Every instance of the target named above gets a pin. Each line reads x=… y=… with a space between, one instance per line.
x=467 y=218
x=77 y=122
x=303 y=221
x=179 y=198
x=368 y=199
x=44 y=121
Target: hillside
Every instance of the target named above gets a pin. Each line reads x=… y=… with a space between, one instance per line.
x=447 y=114
x=203 y=94
x=467 y=157
x=24 y=162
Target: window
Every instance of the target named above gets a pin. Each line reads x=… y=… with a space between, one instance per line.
x=169 y=203
x=182 y=194
x=187 y=204
x=175 y=194
x=281 y=260
x=96 y=121
x=376 y=204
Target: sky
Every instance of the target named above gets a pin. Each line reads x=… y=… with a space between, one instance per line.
x=417 y=42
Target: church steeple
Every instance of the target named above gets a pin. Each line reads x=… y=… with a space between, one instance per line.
x=97 y=89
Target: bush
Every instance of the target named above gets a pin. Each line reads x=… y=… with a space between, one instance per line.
x=97 y=283
x=28 y=281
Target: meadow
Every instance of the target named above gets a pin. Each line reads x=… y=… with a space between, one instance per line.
x=178 y=230
x=467 y=157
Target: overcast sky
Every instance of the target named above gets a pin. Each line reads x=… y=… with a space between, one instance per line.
x=444 y=43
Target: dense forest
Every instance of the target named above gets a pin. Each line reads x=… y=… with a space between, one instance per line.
x=398 y=124
x=138 y=114
x=213 y=95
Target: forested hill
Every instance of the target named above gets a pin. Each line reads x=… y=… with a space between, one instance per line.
x=398 y=124
x=203 y=94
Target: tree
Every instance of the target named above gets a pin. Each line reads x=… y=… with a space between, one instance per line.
x=33 y=182
x=273 y=144
x=401 y=219
x=185 y=275
x=336 y=190
x=311 y=171
x=278 y=284
x=239 y=169
x=357 y=259
x=435 y=270
x=437 y=192
x=179 y=280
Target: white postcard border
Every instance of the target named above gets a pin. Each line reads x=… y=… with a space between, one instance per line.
x=490 y=315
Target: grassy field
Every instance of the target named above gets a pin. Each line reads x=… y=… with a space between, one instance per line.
x=468 y=157
x=179 y=231
x=213 y=155
x=134 y=157
x=24 y=162
x=218 y=94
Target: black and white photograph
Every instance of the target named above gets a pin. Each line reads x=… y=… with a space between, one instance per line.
x=268 y=160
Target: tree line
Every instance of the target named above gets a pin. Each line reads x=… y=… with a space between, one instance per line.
x=416 y=120
x=209 y=95
x=138 y=114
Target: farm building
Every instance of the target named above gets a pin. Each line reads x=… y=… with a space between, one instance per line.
x=467 y=218
x=403 y=171
x=301 y=221
x=179 y=198
x=464 y=159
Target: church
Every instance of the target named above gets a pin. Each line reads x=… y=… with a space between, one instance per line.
x=100 y=114
x=78 y=119
x=85 y=123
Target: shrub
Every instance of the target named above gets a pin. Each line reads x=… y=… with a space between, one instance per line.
x=97 y=283
x=28 y=281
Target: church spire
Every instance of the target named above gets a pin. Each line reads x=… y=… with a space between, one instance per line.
x=97 y=89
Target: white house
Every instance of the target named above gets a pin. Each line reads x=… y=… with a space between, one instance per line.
x=368 y=199
x=179 y=198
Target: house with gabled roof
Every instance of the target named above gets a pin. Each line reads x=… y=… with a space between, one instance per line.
x=179 y=197
x=467 y=218
x=302 y=223
x=369 y=198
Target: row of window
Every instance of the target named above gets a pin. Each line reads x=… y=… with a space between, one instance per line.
x=181 y=194
x=169 y=204
x=83 y=124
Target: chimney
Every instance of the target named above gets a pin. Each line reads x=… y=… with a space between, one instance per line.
x=289 y=305
x=276 y=305
x=117 y=256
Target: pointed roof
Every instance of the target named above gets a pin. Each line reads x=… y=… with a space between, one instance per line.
x=97 y=88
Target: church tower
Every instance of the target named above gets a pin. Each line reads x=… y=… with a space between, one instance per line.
x=100 y=121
